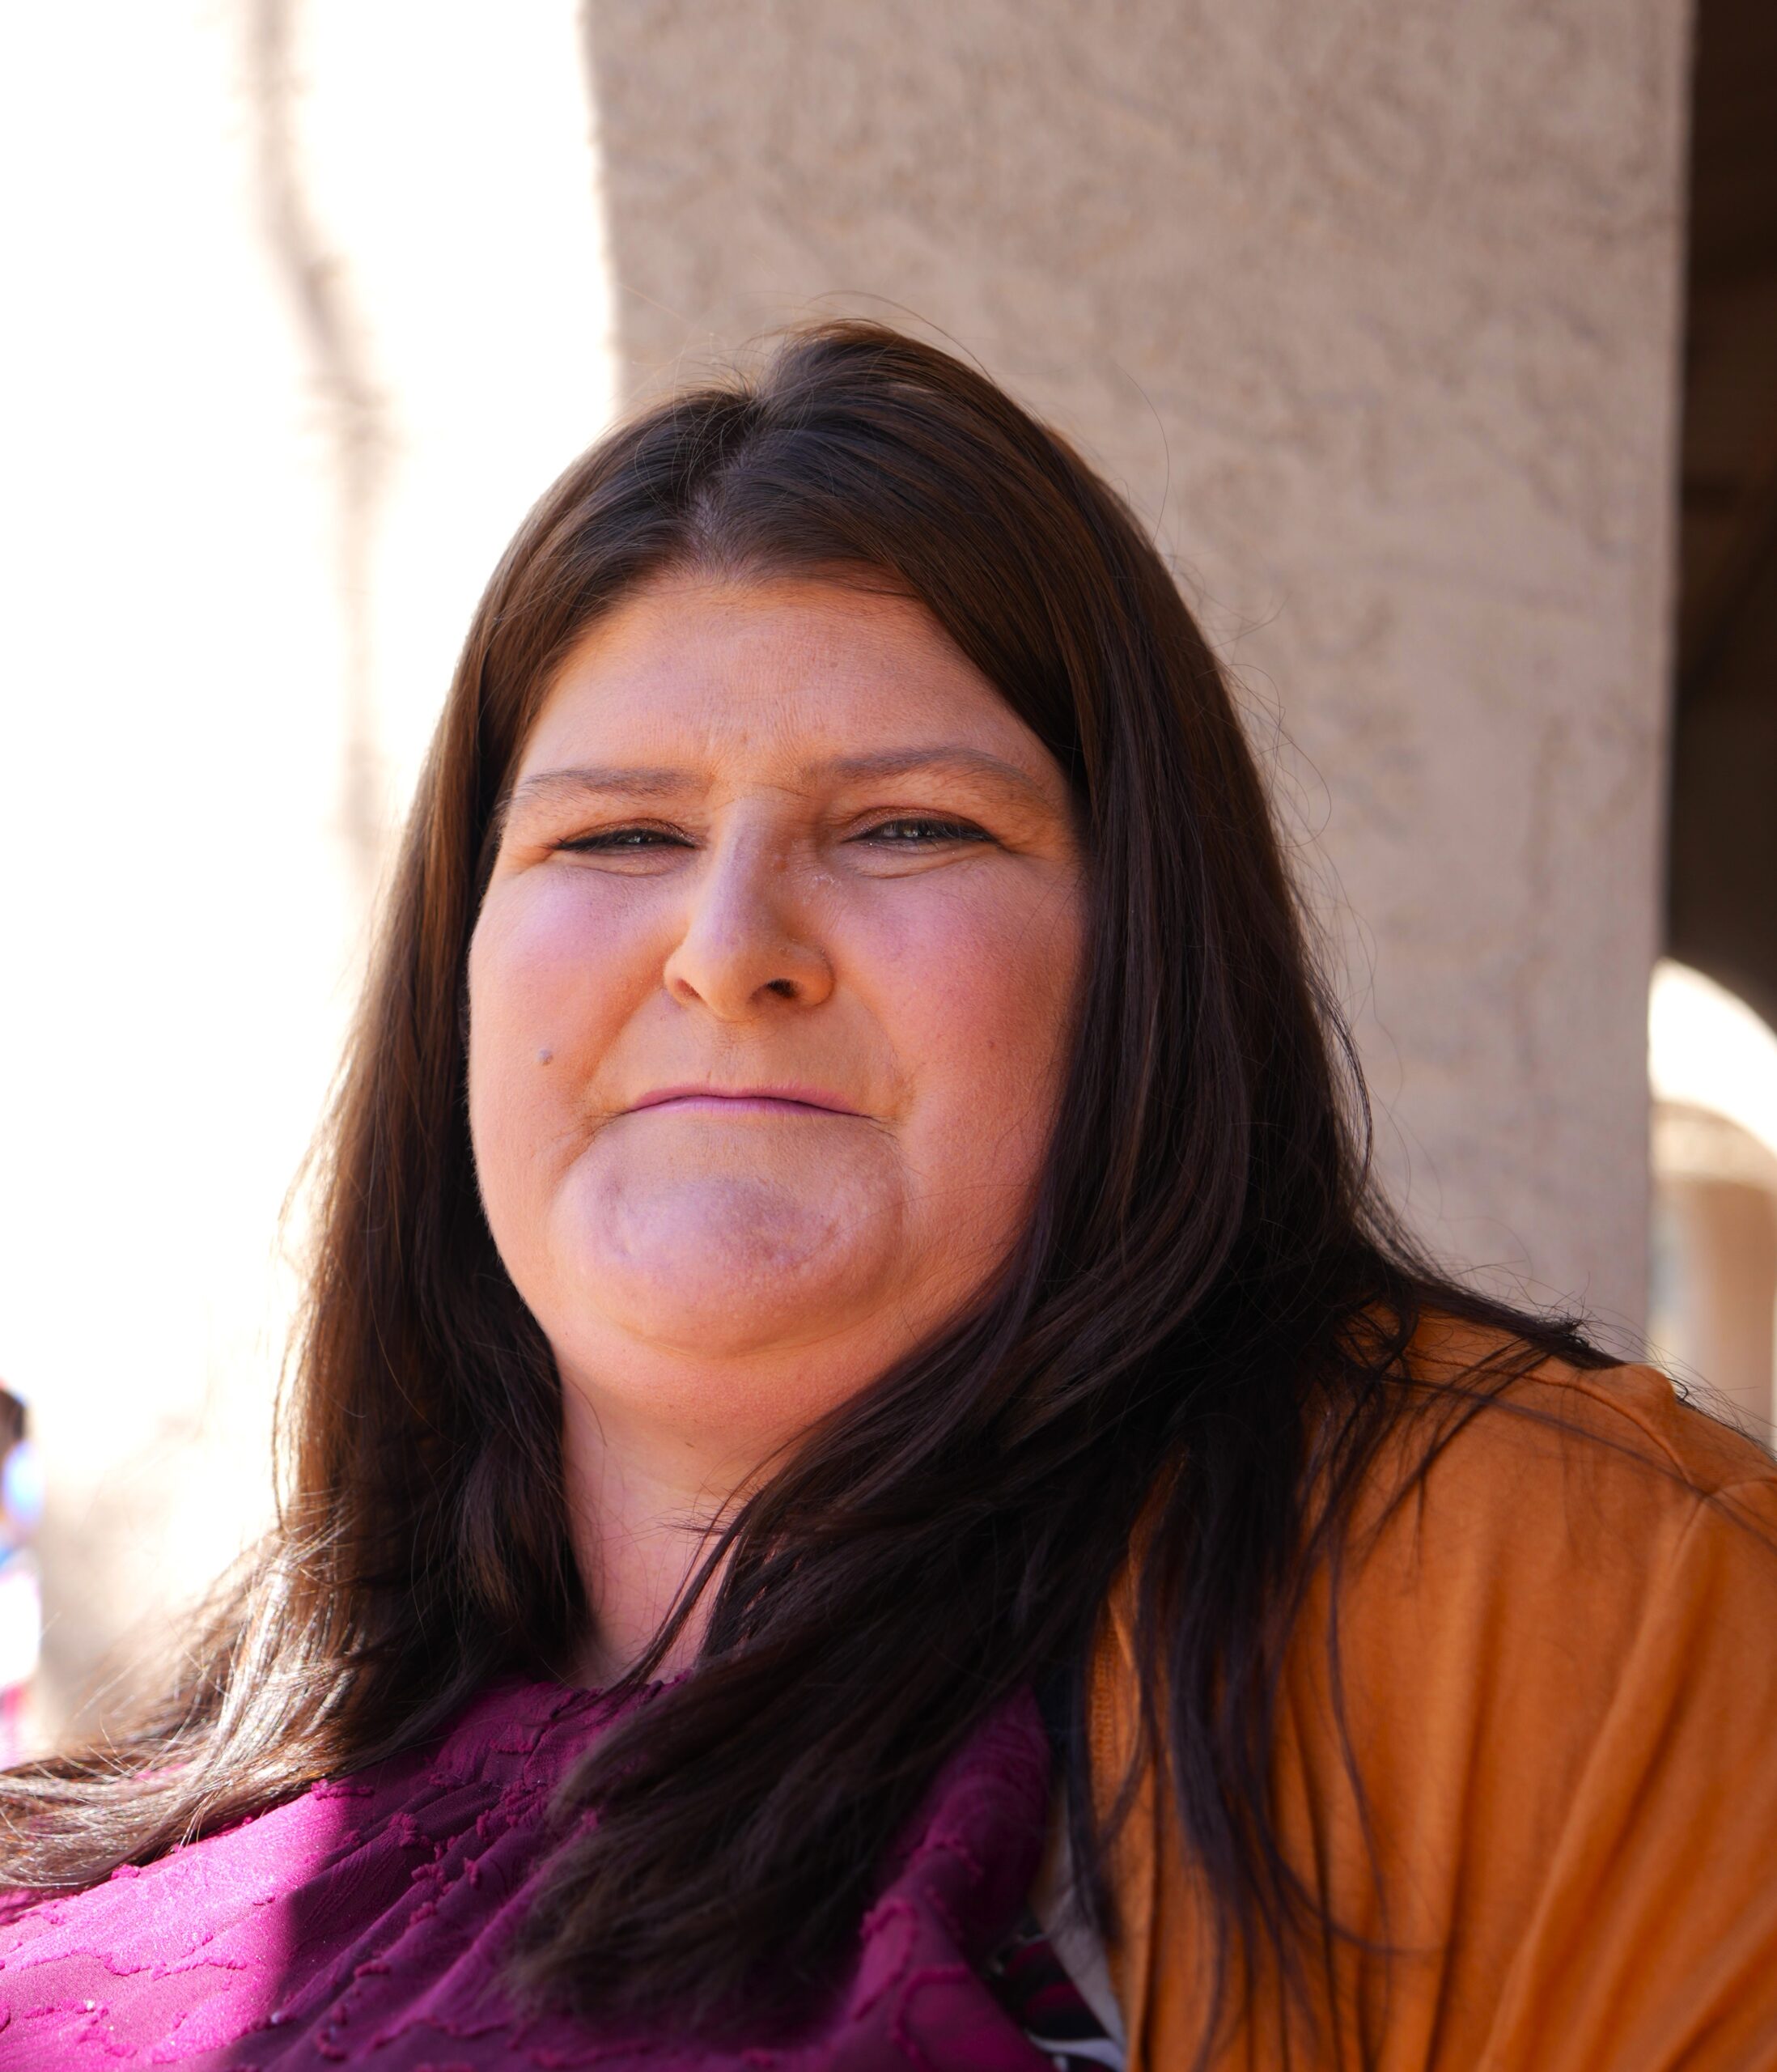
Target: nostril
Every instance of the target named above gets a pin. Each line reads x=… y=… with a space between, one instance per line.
x=784 y=988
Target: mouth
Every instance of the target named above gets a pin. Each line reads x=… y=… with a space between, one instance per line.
x=736 y=1101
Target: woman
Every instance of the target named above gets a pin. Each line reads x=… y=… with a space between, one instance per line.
x=869 y=1482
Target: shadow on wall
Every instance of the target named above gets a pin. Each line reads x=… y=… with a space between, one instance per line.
x=1722 y=890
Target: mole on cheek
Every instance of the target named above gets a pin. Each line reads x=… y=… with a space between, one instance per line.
x=543 y=1056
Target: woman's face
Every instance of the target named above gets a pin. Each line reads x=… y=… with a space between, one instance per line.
x=769 y=998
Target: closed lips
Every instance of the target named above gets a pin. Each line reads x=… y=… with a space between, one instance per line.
x=807 y=1099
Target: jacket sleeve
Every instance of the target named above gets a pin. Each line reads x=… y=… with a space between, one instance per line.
x=1539 y=1801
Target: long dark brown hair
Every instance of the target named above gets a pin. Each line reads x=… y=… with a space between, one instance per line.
x=1202 y=1327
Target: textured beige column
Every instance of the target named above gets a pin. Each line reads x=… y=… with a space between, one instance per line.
x=1371 y=307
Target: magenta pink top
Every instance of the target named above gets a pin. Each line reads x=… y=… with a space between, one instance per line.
x=363 y=1924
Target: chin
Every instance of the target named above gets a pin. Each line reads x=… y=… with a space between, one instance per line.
x=720 y=1264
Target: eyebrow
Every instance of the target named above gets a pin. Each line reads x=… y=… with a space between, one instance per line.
x=629 y=782
x=900 y=762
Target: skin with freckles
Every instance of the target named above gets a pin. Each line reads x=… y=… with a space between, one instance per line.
x=770 y=1001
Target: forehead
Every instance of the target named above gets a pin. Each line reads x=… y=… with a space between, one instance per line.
x=713 y=671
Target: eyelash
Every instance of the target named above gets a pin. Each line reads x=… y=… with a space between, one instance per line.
x=936 y=830
x=625 y=837
x=931 y=827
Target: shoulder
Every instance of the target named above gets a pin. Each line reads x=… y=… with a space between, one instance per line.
x=1524 y=1723
x=1539 y=1552
x=1523 y=1512
x=1560 y=1584
x=1557 y=1657
x=1540 y=1508
x=1633 y=1412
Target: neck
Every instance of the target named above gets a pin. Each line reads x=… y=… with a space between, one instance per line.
x=652 y=1461
x=641 y=1503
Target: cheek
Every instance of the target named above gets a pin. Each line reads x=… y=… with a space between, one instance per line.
x=981 y=1002
x=549 y=971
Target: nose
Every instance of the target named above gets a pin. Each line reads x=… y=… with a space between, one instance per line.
x=746 y=944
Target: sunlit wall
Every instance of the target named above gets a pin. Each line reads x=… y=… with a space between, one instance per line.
x=1712 y=1068
x=306 y=307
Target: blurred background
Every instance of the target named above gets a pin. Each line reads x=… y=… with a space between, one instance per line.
x=1436 y=346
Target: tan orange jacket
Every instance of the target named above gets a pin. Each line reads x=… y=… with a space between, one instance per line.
x=1560 y=1674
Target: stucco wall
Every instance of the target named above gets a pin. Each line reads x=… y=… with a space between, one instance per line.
x=1370 y=308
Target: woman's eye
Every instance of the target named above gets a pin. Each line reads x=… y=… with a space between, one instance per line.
x=622 y=839
x=912 y=830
